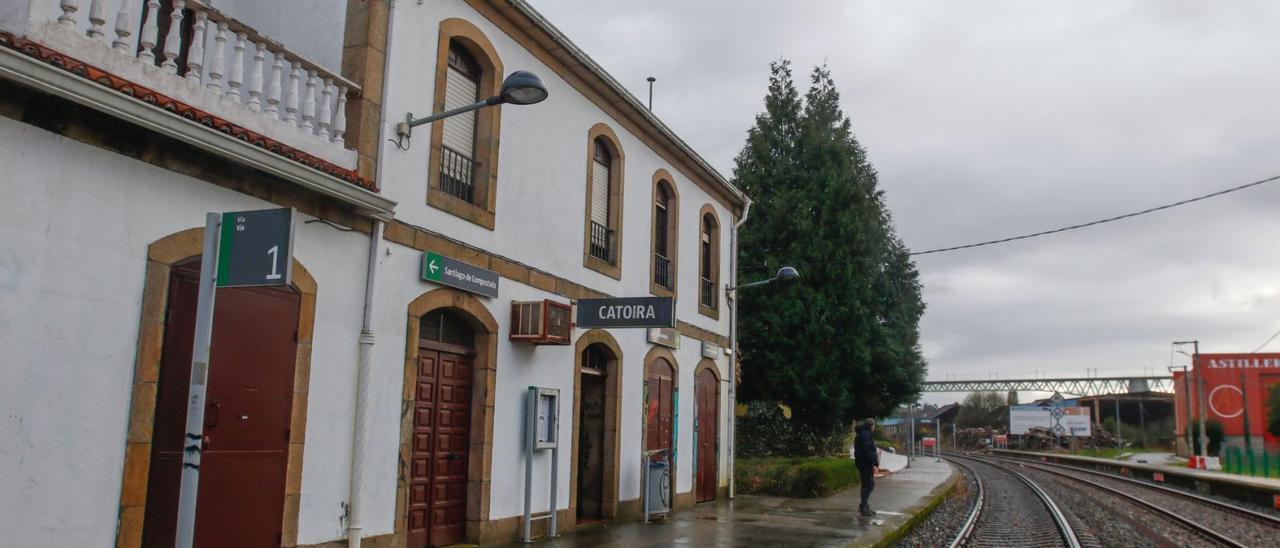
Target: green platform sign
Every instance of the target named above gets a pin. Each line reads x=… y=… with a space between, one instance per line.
x=255 y=248
x=454 y=273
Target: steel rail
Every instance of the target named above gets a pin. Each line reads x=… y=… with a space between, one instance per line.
x=1221 y=505
x=969 y=523
x=1060 y=520
x=1173 y=516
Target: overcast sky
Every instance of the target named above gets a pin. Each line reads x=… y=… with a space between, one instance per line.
x=991 y=119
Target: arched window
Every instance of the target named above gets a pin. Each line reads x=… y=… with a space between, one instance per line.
x=458 y=147
x=603 y=245
x=602 y=234
x=709 y=264
x=463 y=154
x=665 y=237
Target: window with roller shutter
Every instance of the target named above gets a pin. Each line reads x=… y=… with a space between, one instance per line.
x=458 y=144
x=602 y=231
x=709 y=263
x=602 y=214
x=463 y=158
x=662 y=238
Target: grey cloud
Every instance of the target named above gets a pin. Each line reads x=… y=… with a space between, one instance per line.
x=989 y=119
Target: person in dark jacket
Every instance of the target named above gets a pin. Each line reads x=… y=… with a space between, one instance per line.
x=867 y=458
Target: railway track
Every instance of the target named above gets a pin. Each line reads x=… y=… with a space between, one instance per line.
x=1010 y=511
x=1214 y=521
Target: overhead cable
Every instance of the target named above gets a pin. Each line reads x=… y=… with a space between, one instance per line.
x=1102 y=221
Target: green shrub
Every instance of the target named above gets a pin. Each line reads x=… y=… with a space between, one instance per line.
x=794 y=476
x=1273 y=410
x=765 y=432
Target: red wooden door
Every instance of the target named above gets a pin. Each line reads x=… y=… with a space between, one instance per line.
x=250 y=397
x=708 y=417
x=658 y=408
x=441 y=433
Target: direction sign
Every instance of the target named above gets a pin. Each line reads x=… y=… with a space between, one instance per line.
x=256 y=248
x=454 y=273
x=627 y=312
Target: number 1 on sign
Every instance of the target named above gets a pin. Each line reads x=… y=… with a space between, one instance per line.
x=274 y=252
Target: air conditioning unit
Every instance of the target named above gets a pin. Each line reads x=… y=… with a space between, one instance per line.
x=541 y=322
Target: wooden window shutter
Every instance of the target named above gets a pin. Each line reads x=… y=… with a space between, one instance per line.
x=460 y=131
x=600 y=187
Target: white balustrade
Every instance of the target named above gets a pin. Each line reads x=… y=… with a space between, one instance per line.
x=291 y=94
x=69 y=9
x=195 y=54
x=236 y=78
x=281 y=85
x=255 y=78
x=97 y=20
x=309 y=102
x=173 y=40
x=150 y=31
x=218 y=65
x=340 y=116
x=124 y=28
x=325 y=117
x=274 y=88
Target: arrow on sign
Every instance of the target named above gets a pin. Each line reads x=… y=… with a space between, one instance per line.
x=433 y=266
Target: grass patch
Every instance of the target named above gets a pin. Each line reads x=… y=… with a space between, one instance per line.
x=1104 y=453
x=799 y=477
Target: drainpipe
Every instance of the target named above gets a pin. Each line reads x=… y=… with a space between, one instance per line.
x=733 y=337
x=362 y=426
x=360 y=435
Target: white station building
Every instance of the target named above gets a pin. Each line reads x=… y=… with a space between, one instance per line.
x=380 y=397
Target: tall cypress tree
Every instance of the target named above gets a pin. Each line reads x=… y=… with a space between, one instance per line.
x=843 y=342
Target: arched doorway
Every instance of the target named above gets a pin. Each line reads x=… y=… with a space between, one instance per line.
x=446 y=445
x=441 y=429
x=707 y=428
x=591 y=424
x=659 y=386
x=594 y=479
x=146 y=494
x=245 y=452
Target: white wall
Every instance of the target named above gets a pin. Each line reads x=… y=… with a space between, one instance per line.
x=75 y=222
x=518 y=366
x=539 y=221
x=541 y=171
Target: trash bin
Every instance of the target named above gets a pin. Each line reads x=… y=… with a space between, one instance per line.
x=659 y=490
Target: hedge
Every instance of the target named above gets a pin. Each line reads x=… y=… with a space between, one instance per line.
x=800 y=477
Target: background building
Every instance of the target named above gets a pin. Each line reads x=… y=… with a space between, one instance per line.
x=1235 y=389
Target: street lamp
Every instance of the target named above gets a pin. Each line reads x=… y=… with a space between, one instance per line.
x=1200 y=408
x=520 y=88
x=785 y=274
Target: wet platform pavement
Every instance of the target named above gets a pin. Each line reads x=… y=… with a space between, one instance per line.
x=751 y=520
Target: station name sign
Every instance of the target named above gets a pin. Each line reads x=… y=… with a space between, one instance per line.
x=627 y=312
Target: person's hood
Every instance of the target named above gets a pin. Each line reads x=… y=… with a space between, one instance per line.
x=861 y=427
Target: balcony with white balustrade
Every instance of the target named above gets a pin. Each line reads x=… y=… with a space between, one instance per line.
x=189 y=60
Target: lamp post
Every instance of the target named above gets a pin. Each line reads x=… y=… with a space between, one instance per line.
x=519 y=88
x=785 y=274
x=1200 y=407
x=911 y=431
